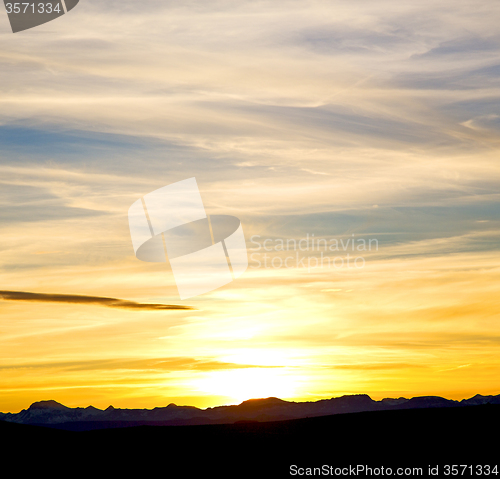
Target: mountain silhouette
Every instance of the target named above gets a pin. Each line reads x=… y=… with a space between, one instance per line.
x=51 y=404
x=56 y=415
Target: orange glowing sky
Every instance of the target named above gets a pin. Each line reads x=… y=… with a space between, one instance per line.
x=377 y=120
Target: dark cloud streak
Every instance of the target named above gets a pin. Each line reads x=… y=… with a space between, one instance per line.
x=93 y=300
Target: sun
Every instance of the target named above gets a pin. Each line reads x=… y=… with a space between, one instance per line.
x=238 y=385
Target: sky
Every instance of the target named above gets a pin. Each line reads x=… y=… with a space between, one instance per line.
x=342 y=121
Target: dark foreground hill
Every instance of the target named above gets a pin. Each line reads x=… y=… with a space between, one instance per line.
x=412 y=438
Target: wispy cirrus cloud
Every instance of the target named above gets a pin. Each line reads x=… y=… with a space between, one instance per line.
x=149 y=364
